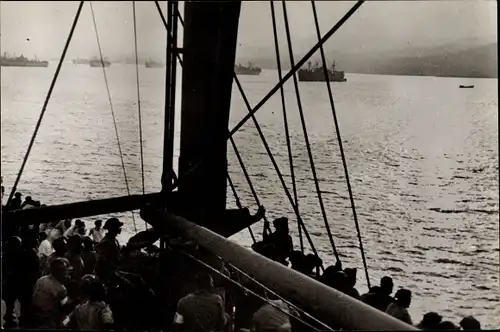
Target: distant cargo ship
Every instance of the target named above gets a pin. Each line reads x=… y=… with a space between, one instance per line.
x=21 y=61
x=79 y=61
x=153 y=64
x=250 y=70
x=315 y=74
x=98 y=63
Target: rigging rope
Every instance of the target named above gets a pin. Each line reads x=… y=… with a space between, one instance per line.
x=111 y=107
x=298 y=66
x=250 y=291
x=46 y=102
x=139 y=102
x=238 y=204
x=339 y=139
x=306 y=136
x=285 y=120
x=276 y=167
x=277 y=295
x=249 y=181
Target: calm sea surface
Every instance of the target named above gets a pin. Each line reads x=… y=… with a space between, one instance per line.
x=422 y=157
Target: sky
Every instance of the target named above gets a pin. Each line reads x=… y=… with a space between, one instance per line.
x=41 y=28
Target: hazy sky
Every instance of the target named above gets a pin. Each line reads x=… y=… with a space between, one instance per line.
x=377 y=26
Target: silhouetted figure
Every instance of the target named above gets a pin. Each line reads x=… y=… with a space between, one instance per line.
x=15 y=203
x=470 y=323
x=399 y=309
x=447 y=325
x=430 y=321
x=97 y=232
x=50 y=296
x=109 y=248
x=45 y=247
x=201 y=310
x=351 y=282
x=279 y=243
x=74 y=230
x=89 y=255
x=93 y=314
x=28 y=203
x=380 y=297
x=74 y=256
x=60 y=246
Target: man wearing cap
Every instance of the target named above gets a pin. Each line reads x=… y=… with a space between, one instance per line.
x=109 y=248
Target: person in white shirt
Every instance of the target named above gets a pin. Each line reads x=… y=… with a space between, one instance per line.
x=399 y=309
x=45 y=248
x=97 y=233
x=73 y=230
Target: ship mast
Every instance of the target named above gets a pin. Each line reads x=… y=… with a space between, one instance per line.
x=209 y=49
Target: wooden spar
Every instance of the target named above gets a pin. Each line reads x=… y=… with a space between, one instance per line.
x=328 y=305
x=78 y=209
x=209 y=48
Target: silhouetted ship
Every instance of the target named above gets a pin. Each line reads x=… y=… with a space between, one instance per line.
x=79 y=61
x=316 y=74
x=466 y=86
x=99 y=63
x=153 y=64
x=250 y=70
x=21 y=61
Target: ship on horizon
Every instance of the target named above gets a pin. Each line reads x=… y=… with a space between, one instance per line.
x=249 y=70
x=79 y=61
x=95 y=62
x=21 y=61
x=315 y=74
x=153 y=64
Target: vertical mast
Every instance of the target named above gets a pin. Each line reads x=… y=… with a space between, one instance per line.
x=209 y=49
x=171 y=72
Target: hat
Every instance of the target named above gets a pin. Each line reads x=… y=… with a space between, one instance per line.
x=280 y=222
x=112 y=223
x=18 y=194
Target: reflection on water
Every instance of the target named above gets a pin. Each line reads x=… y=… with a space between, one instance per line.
x=422 y=157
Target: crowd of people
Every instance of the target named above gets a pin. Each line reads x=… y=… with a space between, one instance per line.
x=65 y=276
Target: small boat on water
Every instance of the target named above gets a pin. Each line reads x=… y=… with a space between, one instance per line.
x=249 y=70
x=461 y=86
x=97 y=63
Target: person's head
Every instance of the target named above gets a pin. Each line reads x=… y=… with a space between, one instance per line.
x=29 y=199
x=204 y=281
x=96 y=290
x=88 y=244
x=60 y=245
x=386 y=285
x=42 y=236
x=59 y=269
x=67 y=223
x=84 y=285
x=447 y=325
x=14 y=244
x=98 y=224
x=351 y=276
x=281 y=224
x=403 y=297
x=18 y=195
x=113 y=226
x=430 y=321
x=470 y=323
x=75 y=244
x=37 y=203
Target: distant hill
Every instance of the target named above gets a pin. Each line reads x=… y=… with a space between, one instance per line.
x=449 y=61
x=468 y=58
